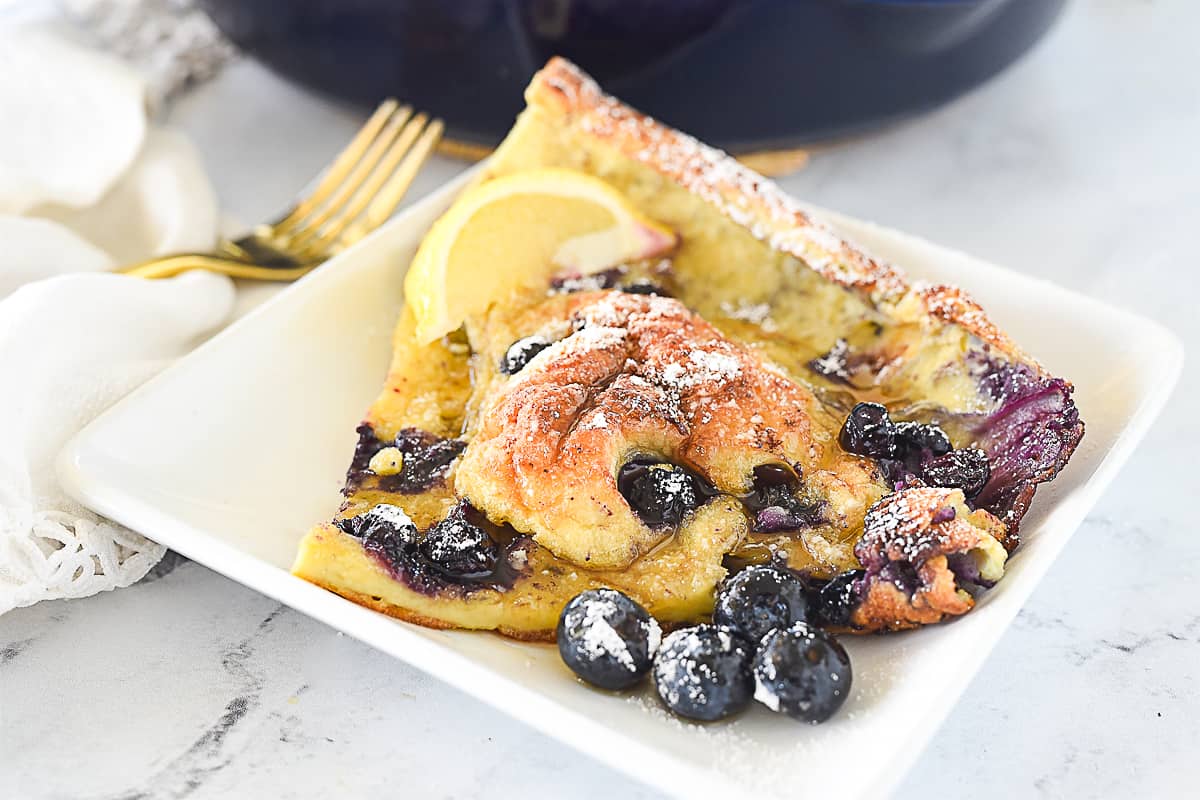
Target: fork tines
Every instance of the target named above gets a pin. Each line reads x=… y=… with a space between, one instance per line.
x=363 y=185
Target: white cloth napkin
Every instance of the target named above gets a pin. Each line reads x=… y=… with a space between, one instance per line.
x=69 y=348
x=85 y=184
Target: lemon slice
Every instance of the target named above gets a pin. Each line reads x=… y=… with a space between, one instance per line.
x=516 y=231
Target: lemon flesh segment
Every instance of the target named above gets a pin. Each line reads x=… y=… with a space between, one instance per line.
x=515 y=232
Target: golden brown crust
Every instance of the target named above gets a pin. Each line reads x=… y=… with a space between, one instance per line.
x=907 y=537
x=748 y=199
x=398 y=612
x=640 y=374
x=954 y=306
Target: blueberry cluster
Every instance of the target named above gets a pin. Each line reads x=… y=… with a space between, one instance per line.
x=966 y=469
x=913 y=450
x=760 y=645
x=456 y=547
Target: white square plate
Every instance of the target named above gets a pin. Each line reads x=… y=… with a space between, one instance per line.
x=230 y=455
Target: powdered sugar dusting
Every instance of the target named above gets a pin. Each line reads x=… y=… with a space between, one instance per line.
x=756 y=313
x=595 y=338
x=581 y=283
x=706 y=363
x=951 y=304
x=683 y=677
x=902 y=525
x=761 y=754
x=712 y=365
x=746 y=198
x=599 y=639
x=739 y=193
x=762 y=692
x=596 y=421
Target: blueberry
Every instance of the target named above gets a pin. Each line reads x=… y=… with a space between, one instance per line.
x=775 y=503
x=967 y=469
x=966 y=569
x=760 y=599
x=868 y=431
x=660 y=494
x=774 y=485
x=704 y=672
x=918 y=438
x=381 y=519
x=607 y=639
x=837 y=600
x=802 y=672
x=459 y=546
x=834 y=364
x=521 y=352
x=385 y=529
x=427 y=459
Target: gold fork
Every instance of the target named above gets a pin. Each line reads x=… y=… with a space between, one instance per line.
x=356 y=194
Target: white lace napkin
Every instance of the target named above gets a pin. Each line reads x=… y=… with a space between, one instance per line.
x=85 y=184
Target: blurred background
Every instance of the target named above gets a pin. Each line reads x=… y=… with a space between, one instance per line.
x=784 y=73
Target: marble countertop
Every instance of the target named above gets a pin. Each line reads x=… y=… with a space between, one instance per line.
x=1079 y=164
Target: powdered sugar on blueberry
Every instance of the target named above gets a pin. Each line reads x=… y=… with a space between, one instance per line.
x=607 y=639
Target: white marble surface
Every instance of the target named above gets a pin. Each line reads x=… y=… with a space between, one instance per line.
x=1079 y=164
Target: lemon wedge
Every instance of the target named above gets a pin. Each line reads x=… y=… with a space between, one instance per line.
x=516 y=231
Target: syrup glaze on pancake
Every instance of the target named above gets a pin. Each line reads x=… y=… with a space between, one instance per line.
x=641 y=376
x=737 y=388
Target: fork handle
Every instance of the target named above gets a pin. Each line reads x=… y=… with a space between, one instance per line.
x=169 y=266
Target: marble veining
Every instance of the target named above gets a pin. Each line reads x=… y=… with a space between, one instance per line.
x=13 y=649
x=1077 y=164
x=188 y=771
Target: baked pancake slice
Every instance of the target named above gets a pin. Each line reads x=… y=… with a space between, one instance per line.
x=716 y=381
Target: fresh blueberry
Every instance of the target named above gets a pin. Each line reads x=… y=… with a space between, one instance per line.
x=660 y=494
x=868 y=431
x=802 y=672
x=607 y=639
x=459 y=546
x=521 y=352
x=919 y=438
x=837 y=600
x=704 y=672
x=967 y=469
x=760 y=599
